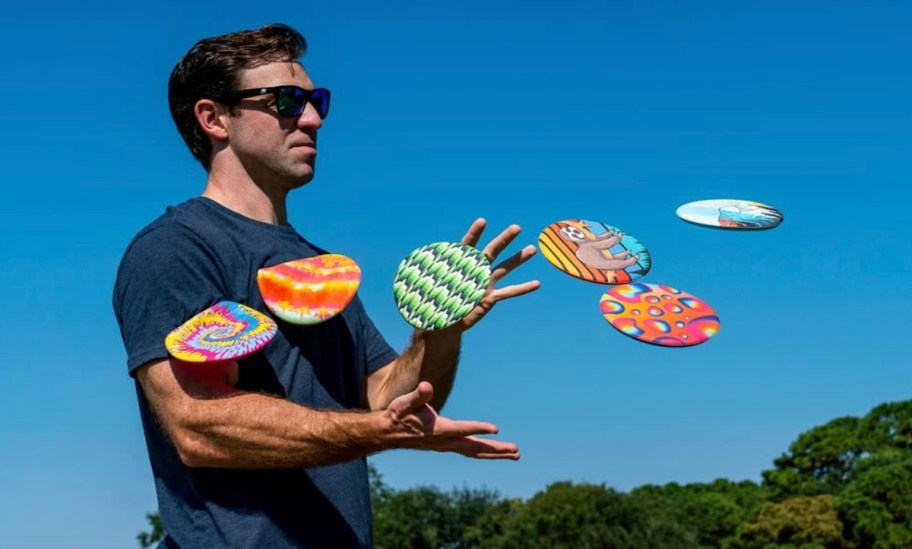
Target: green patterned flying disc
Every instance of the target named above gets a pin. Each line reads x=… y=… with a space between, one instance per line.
x=437 y=285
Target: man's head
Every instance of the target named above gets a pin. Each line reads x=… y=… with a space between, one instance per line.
x=205 y=105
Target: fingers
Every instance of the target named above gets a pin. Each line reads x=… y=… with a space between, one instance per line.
x=460 y=441
x=500 y=242
x=473 y=235
x=502 y=269
x=515 y=290
x=458 y=436
x=480 y=448
x=464 y=428
x=512 y=262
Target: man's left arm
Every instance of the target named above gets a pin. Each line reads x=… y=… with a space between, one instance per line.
x=433 y=355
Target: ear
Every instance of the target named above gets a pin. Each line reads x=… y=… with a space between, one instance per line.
x=211 y=117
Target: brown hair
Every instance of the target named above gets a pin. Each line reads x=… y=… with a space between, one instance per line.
x=210 y=69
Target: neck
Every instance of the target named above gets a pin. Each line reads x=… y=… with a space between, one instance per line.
x=237 y=190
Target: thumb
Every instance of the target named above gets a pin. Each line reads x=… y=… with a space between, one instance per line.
x=425 y=392
x=410 y=402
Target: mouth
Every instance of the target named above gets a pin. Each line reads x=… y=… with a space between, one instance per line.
x=307 y=149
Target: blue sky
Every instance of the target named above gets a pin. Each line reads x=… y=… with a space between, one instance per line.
x=442 y=112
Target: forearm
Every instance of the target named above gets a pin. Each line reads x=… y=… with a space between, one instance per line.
x=251 y=430
x=432 y=357
x=212 y=424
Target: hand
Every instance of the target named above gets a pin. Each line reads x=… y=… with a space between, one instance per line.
x=502 y=269
x=418 y=426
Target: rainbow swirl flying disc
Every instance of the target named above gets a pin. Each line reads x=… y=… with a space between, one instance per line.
x=437 y=285
x=225 y=331
x=310 y=290
x=660 y=315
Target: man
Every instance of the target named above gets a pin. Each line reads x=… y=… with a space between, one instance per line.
x=269 y=451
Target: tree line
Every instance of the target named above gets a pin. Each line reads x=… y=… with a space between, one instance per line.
x=846 y=484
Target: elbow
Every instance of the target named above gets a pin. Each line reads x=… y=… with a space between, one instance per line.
x=191 y=456
x=190 y=450
x=190 y=442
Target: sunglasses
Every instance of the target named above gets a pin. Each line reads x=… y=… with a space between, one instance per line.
x=290 y=100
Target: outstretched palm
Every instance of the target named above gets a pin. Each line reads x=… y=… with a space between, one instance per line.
x=500 y=270
x=419 y=426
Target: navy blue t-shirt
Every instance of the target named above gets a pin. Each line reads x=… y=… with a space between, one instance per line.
x=193 y=256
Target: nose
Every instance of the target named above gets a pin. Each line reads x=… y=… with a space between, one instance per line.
x=310 y=119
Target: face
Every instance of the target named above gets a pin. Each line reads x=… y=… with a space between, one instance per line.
x=275 y=150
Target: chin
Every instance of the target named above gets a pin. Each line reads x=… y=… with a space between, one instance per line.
x=299 y=180
x=300 y=175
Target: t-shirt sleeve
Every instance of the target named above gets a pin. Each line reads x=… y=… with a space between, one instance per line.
x=377 y=352
x=167 y=275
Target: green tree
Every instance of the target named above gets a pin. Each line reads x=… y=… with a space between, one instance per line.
x=379 y=491
x=415 y=518
x=491 y=530
x=468 y=506
x=804 y=522
x=425 y=517
x=147 y=539
x=877 y=505
x=583 y=516
x=714 y=512
x=823 y=459
x=819 y=462
x=889 y=426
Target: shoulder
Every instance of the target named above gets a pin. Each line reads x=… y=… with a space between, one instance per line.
x=176 y=231
x=170 y=250
x=184 y=218
x=168 y=273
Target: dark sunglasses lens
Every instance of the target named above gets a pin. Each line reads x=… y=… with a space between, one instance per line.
x=320 y=100
x=291 y=101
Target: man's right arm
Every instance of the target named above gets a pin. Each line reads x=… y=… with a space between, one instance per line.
x=212 y=424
